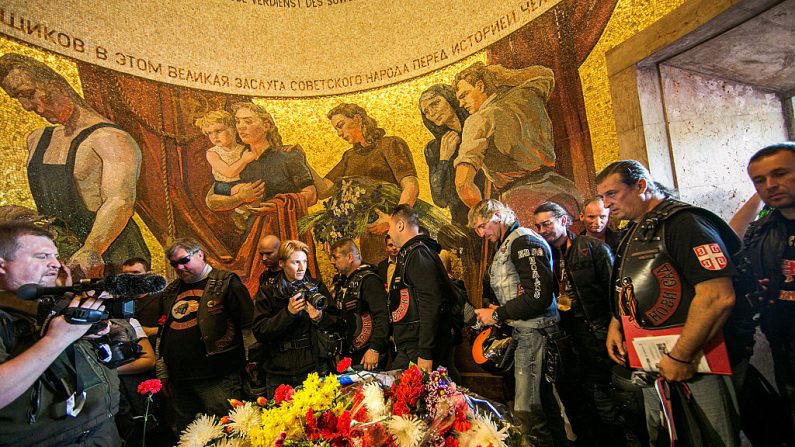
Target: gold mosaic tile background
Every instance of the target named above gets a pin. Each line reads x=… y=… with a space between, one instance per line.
x=629 y=17
x=303 y=121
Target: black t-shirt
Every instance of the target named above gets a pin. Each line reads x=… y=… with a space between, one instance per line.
x=787 y=290
x=183 y=349
x=148 y=310
x=695 y=245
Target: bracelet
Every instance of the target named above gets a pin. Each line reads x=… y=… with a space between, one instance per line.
x=677 y=360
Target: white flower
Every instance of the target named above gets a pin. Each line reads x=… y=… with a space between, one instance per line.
x=201 y=432
x=244 y=419
x=484 y=431
x=374 y=400
x=407 y=431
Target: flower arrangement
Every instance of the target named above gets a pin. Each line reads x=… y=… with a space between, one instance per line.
x=418 y=409
x=353 y=207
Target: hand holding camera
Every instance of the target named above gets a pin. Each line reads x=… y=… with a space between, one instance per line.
x=296 y=304
x=67 y=333
x=307 y=297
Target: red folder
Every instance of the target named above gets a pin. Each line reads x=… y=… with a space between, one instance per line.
x=714 y=350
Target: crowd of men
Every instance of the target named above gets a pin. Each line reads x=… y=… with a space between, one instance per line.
x=577 y=307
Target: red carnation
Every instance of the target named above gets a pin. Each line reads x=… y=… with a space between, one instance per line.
x=344 y=423
x=343 y=365
x=328 y=425
x=399 y=408
x=450 y=441
x=311 y=430
x=461 y=424
x=162 y=320
x=283 y=393
x=151 y=386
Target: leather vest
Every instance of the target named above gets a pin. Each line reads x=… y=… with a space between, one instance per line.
x=649 y=284
x=358 y=324
x=218 y=331
x=402 y=304
x=507 y=285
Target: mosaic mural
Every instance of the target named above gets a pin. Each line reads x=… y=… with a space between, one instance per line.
x=123 y=165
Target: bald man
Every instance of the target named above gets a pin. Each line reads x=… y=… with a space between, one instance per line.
x=268 y=247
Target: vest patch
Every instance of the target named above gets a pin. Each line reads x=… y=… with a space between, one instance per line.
x=669 y=297
x=710 y=256
x=365 y=333
x=403 y=306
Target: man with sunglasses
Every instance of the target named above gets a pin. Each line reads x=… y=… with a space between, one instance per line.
x=203 y=344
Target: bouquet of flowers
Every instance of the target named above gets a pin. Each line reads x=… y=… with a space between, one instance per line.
x=353 y=207
x=418 y=409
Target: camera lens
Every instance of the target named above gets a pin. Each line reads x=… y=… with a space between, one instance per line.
x=318 y=301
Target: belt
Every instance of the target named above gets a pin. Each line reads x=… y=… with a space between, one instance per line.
x=301 y=343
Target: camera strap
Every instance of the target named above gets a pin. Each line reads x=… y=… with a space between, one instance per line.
x=76 y=400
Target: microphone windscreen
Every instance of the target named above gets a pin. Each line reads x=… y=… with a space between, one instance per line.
x=28 y=291
x=130 y=285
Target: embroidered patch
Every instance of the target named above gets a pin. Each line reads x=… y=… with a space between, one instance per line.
x=669 y=296
x=365 y=333
x=788 y=270
x=403 y=306
x=710 y=256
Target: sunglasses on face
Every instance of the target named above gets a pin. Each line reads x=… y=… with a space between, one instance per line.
x=182 y=261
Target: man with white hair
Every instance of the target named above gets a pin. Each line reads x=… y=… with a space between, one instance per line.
x=522 y=281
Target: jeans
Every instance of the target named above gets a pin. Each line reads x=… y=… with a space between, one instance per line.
x=208 y=396
x=709 y=418
x=534 y=403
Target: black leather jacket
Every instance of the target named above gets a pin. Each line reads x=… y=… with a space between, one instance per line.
x=590 y=263
x=289 y=341
x=760 y=258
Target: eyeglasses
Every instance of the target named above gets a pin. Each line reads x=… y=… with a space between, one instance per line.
x=183 y=260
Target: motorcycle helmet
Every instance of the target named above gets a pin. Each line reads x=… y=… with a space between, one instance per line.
x=493 y=350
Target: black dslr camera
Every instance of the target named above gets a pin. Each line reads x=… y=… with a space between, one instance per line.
x=311 y=294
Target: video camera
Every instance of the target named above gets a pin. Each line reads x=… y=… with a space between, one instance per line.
x=311 y=294
x=123 y=288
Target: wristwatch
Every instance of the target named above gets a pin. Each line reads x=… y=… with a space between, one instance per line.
x=496 y=317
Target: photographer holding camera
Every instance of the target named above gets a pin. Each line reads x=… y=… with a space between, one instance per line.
x=53 y=388
x=292 y=322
